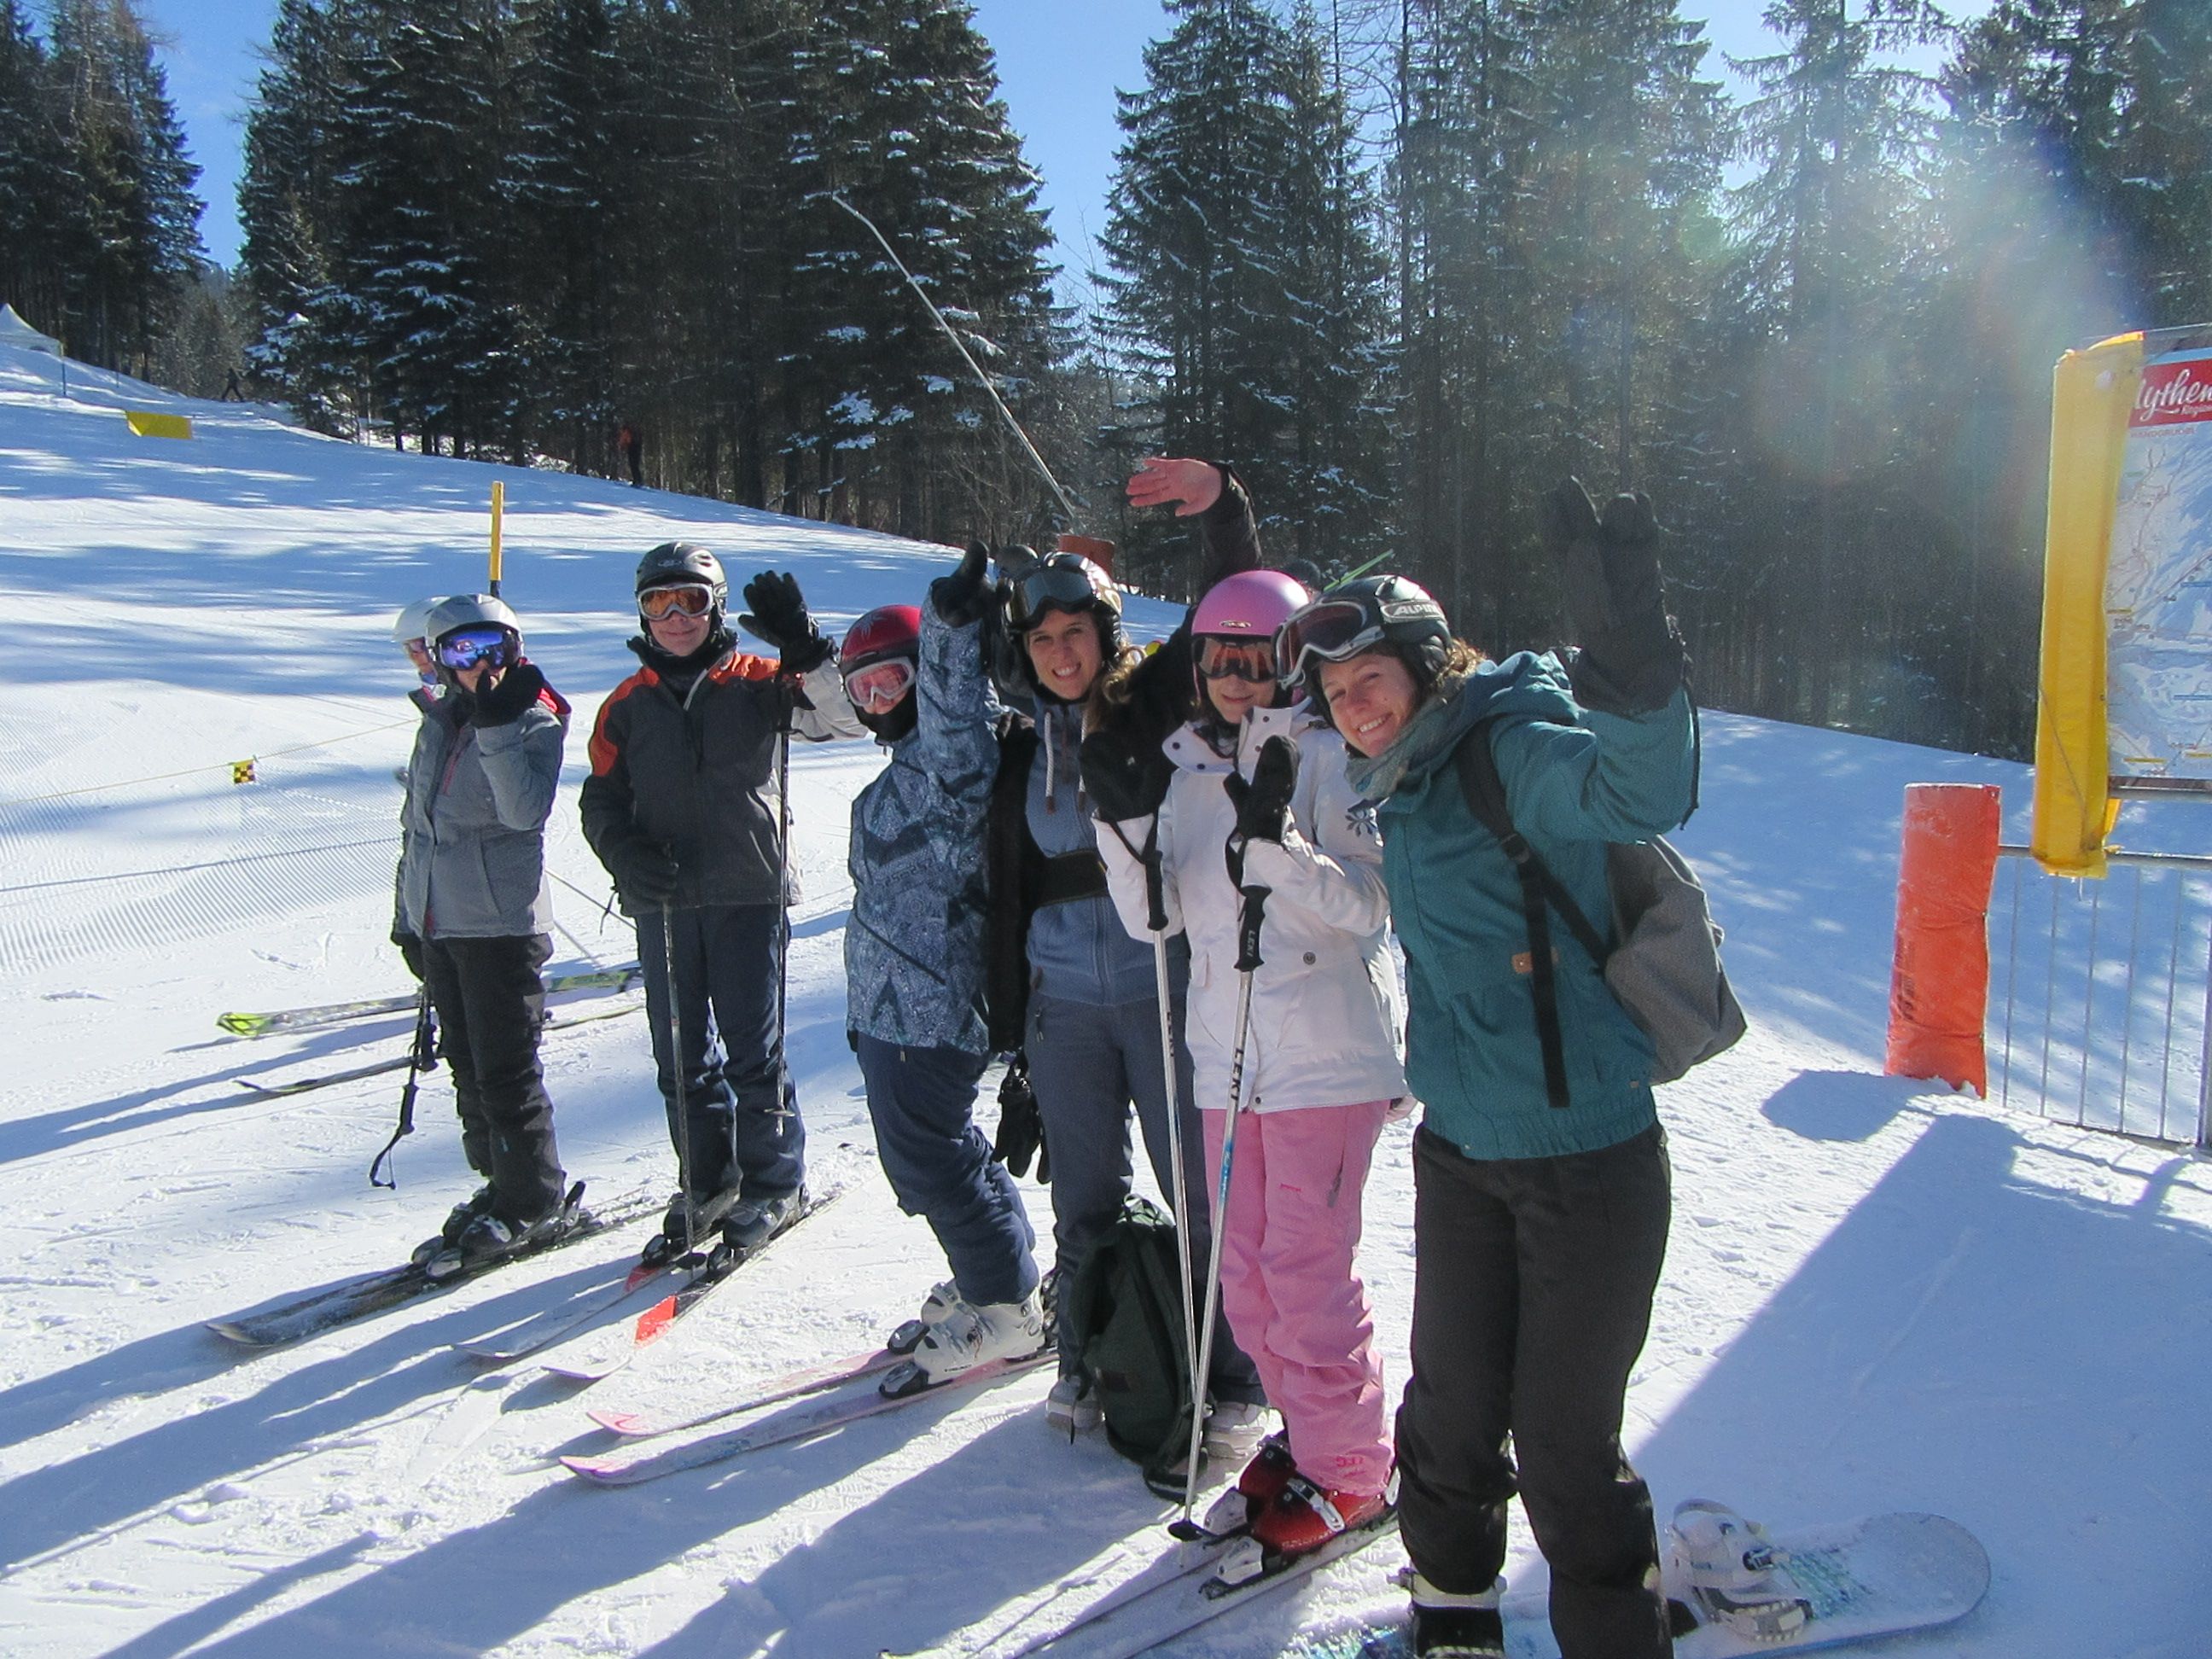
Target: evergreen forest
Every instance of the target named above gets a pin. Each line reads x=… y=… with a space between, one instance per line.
x=1403 y=262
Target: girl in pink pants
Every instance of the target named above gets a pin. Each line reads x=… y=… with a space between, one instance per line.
x=1260 y=785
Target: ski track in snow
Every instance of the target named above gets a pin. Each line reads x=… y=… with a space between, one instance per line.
x=1876 y=1298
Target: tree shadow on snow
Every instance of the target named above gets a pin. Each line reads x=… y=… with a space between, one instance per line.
x=1971 y=1341
x=472 y=1590
x=292 y=1415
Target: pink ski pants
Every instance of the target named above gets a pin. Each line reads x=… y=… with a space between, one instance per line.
x=1289 y=1286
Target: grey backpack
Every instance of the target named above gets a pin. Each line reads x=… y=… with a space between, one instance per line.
x=1665 y=966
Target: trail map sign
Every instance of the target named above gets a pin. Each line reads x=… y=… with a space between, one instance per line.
x=2124 y=701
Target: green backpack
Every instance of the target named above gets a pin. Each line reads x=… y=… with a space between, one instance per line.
x=1124 y=1310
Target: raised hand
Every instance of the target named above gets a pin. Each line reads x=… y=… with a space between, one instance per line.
x=1189 y=486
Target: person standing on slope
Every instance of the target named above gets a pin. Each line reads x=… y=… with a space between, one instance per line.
x=1090 y=1028
x=684 y=807
x=407 y=633
x=915 y=967
x=472 y=910
x=1543 y=1190
x=1251 y=793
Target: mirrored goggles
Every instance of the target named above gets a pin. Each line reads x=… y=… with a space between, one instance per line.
x=1050 y=587
x=1328 y=629
x=1252 y=660
x=684 y=599
x=880 y=684
x=466 y=647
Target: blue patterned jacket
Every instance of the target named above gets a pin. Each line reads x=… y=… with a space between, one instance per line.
x=913 y=948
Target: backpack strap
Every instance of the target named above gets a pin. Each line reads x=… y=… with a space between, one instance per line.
x=1540 y=894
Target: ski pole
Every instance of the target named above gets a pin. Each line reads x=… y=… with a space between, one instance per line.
x=420 y=1059
x=1247 y=959
x=783 y=902
x=1015 y=426
x=1156 y=920
x=678 y=1071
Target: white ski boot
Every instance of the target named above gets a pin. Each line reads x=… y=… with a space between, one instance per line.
x=941 y=1300
x=1735 y=1576
x=969 y=1336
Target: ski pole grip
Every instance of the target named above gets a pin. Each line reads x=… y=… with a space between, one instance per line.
x=1155 y=898
x=1247 y=927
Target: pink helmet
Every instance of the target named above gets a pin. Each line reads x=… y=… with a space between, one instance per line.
x=1250 y=604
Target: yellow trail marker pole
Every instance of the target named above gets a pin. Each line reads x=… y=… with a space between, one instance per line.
x=498 y=507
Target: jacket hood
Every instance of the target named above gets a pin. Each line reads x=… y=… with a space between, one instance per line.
x=1526 y=685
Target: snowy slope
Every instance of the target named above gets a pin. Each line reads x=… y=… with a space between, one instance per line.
x=1876 y=1298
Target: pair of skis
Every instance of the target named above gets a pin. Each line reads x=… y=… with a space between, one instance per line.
x=338 y=1013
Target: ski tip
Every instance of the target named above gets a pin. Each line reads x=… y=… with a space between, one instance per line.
x=591 y=1468
x=627 y=1423
x=654 y=1321
x=241 y=1024
x=231 y=1332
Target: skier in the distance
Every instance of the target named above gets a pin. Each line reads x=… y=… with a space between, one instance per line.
x=1541 y=1188
x=1090 y=1025
x=915 y=965
x=684 y=808
x=472 y=912
x=1252 y=792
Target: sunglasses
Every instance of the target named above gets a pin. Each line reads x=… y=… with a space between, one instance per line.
x=1331 y=630
x=880 y=684
x=1252 y=660
x=465 y=647
x=656 y=604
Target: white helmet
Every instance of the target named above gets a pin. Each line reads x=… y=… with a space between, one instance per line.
x=411 y=625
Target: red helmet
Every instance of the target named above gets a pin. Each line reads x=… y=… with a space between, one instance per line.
x=889 y=630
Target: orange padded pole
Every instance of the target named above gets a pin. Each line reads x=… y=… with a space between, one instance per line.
x=1939 y=983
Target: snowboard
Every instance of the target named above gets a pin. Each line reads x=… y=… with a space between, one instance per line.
x=1858 y=1580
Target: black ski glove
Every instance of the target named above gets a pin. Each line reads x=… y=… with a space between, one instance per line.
x=644 y=871
x=960 y=597
x=777 y=612
x=1125 y=777
x=1021 y=1129
x=502 y=704
x=1263 y=803
x=410 y=950
x=1631 y=660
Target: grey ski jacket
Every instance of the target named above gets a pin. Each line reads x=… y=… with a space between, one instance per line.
x=473 y=828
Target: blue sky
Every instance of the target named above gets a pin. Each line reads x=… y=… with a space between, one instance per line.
x=1060 y=62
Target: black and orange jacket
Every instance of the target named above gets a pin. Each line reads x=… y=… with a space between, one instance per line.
x=697 y=772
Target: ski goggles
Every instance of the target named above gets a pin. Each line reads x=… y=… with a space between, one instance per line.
x=680 y=600
x=1062 y=587
x=1251 y=660
x=1328 y=629
x=467 y=647
x=880 y=684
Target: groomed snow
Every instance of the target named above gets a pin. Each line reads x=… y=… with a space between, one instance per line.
x=1877 y=1298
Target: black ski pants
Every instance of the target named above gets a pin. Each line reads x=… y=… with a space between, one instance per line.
x=742 y=1111
x=1532 y=1297
x=491 y=998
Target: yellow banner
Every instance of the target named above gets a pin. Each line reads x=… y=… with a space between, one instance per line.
x=147 y=425
x=2092 y=392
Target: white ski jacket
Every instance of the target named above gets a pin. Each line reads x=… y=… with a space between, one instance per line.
x=1326 y=1021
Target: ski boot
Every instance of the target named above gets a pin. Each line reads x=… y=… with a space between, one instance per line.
x=455 y=1223
x=492 y=1239
x=1734 y=1576
x=752 y=1222
x=1259 y=1486
x=967 y=1337
x=941 y=1301
x=686 y=1226
x=1448 y=1625
x=1305 y=1515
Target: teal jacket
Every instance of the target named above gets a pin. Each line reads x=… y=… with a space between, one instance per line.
x=1575 y=779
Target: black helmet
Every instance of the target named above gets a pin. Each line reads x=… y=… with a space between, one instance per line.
x=674 y=562
x=1359 y=617
x=1060 y=581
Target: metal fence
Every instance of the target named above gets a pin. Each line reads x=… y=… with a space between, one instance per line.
x=2099 y=991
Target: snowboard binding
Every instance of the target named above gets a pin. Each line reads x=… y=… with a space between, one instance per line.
x=1737 y=1576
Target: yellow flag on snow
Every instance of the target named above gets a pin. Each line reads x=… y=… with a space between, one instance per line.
x=148 y=424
